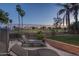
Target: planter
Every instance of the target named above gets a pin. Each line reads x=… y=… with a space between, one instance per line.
x=64 y=46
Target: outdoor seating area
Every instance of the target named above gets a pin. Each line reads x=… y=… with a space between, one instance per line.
x=19 y=51
x=33 y=43
x=39 y=29
x=26 y=47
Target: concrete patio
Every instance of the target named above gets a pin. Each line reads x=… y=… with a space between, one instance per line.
x=58 y=51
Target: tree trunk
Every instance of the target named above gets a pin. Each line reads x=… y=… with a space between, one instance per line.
x=76 y=22
x=68 y=21
x=22 y=21
x=19 y=23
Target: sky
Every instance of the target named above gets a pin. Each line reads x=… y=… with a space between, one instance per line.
x=36 y=13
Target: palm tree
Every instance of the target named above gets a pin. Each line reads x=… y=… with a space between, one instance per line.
x=4 y=17
x=18 y=9
x=10 y=23
x=66 y=12
x=75 y=9
x=57 y=22
x=22 y=15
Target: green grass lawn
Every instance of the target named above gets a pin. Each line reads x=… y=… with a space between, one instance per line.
x=32 y=31
x=68 y=39
x=71 y=39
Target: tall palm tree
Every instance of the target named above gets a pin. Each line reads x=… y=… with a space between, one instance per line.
x=22 y=15
x=75 y=10
x=66 y=12
x=18 y=9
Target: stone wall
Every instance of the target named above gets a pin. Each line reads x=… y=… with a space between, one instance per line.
x=4 y=41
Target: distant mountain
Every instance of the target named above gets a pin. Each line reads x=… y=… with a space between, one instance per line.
x=32 y=25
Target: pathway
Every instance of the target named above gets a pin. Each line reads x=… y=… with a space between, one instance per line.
x=60 y=52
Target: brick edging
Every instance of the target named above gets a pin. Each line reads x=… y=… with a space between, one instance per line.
x=64 y=46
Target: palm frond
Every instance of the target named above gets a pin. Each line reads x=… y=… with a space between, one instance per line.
x=22 y=13
x=61 y=11
x=65 y=5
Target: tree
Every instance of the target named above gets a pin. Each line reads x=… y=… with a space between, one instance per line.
x=73 y=27
x=18 y=9
x=49 y=28
x=10 y=22
x=33 y=28
x=75 y=9
x=66 y=12
x=43 y=28
x=57 y=22
x=22 y=15
x=4 y=17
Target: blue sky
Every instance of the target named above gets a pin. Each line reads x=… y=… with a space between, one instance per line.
x=35 y=13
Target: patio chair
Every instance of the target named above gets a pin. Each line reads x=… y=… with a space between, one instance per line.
x=24 y=39
x=19 y=51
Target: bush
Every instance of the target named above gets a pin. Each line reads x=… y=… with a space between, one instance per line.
x=53 y=31
x=39 y=35
x=74 y=27
x=14 y=35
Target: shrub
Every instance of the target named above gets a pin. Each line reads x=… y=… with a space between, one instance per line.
x=53 y=31
x=40 y=35
x=74 y=28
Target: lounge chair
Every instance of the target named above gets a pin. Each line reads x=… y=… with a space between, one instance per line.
x=24 y=40
x=18 y=50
